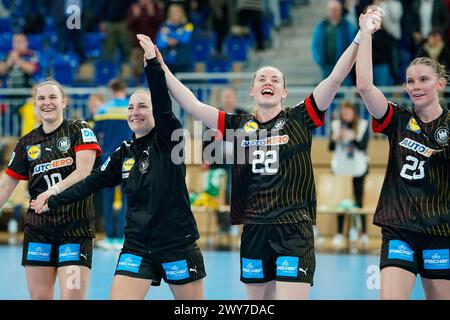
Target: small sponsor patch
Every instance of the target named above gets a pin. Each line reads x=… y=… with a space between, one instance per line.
x=127 y=164
x=252 y=268
x=269 y=141
x=63 y=144
x=39 y=251
x=88 y=135
x=250 y=126
x=413 y=125
x=400 y=250
x=129 y=262
x=436 y=259
x=177 y=270
x=34 y=152
x=69 y=252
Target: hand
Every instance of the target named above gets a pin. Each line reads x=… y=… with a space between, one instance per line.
x=148 y=46
x=369 y=22
x=42 y=199
x=204 y=166
x=13 y=57
x=33 y=206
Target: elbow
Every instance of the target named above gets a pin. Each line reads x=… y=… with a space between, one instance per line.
x=362 y=85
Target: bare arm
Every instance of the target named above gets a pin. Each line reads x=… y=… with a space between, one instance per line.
x=85 y=163
x=7 y=186
x=326 y=90
x=185 y=98
x=375 y=101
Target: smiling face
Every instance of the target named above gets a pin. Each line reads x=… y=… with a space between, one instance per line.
x=268 y=88
x=140 y=113
x=423 y=85
x=49 y=103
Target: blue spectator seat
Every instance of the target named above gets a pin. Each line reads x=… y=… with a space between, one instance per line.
x=203 y=44
x=236 y=48
x=5 y=42
x=36 y=42
x=218 y=63
x=64 y=68
x=105 y=71
x=93 y=44
x=6 y=25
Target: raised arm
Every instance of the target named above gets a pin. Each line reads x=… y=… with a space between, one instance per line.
x=326 y=90
x=185 y=98
x=373 y=98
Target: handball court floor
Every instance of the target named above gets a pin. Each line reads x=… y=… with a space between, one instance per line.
x=337 y=276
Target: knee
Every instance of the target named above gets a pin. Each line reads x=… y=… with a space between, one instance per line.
x=41 y=294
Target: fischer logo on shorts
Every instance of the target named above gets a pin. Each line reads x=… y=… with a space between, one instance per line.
x=252 y=268
x=88 y=135
x=55 y=164
x=129 y=262
x=417 y=147
x=400 y=250
x=436 y=259
x=269 y=141
x=39 y=251
x=177 y=270
x=287 y=266
x=34 y=152
x=69 y=252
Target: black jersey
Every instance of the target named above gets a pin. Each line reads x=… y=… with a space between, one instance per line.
x=273 y=180
x=158 y=209
x=416 y=189
x=46 y=159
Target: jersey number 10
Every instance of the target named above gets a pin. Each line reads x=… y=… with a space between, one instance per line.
x=53 y=179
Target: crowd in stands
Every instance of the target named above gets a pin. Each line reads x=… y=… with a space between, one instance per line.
x=63 y=36
x=410 y=28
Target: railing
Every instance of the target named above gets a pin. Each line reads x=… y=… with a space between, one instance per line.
x=206 y=86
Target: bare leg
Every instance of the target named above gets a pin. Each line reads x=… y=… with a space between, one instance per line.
x=261 y=291
x=436 y=289
x=396 y=283
x=188 y=291
x=41 y=282
x=128 y=288
x=73 y=282
x=292 y=290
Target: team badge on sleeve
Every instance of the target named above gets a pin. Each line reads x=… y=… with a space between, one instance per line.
x=34 y=152
x=88 y=135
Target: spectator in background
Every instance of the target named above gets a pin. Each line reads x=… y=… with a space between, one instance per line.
x=67 y=37
x=220 y=20
x=198 y=12
x=435 y=49
x=250 y=12
x=19 y=68
x=392 y=26
x=173 y=39
x=330 y=38
x=33 y=13
x=348 y=142
x=111 y=129
x=427 y=15
x=144 y=17
x=30 y=119
x=113 y=14
x=382 y=57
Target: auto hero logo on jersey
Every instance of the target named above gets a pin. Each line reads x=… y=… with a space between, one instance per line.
x=63 y=144
x=34 y=152
x=441 y=136
x=55 y=164
x=413 y=125
x=127 y=165
x=269 y=141
x=88 y=135
x=417 y=147
x=250 y=126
